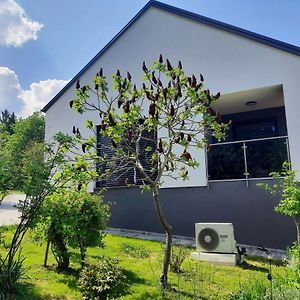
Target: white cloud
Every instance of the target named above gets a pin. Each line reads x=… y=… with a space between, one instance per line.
x=26 y=102
x=39 y=94
x=16 y=27
x=9 y=90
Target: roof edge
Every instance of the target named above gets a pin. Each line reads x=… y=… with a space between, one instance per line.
x=190 y=15
x=230 y=28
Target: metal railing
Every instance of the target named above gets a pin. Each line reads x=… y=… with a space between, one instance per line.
x=248 y=159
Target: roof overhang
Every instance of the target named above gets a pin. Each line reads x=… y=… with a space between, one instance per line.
x=262 y=98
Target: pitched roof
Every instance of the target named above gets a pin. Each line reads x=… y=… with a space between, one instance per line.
x=190 y=15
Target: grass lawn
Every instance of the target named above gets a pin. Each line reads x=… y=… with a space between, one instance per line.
x=210 y=281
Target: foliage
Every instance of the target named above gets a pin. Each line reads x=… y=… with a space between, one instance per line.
x=7 y=120
x=178 y=256
x=292 y=276
x=16 y=273
x=134 y=250
x=285 y=286
x=289 y=190
x=5 y=176
x=258 y=290
x=213 y=282
x=43 y=175
x=27 y=133
x=151 y=129
x=102 y=281
x=72 y=218
x=254 y=290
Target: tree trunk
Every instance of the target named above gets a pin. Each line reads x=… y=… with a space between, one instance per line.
x=47 y=250
x=82 y=252
x=168 y=230
x=297 y=222
x=59 y=249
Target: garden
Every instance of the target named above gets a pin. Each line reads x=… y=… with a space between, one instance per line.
x=139 y=263
x=59 y=248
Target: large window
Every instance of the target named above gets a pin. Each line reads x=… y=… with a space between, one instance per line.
x=255 y=129
x=121 y=171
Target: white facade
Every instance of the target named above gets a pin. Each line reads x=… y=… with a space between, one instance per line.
x=229 y=62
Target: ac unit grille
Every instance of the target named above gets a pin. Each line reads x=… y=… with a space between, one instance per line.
x=208 y=239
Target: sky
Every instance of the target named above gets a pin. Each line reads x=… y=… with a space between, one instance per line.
x=45 y=43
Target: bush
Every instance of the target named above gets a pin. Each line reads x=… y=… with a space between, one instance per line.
x=135 y=250
x=178 y=255
x=104 y=280
x=72 y=218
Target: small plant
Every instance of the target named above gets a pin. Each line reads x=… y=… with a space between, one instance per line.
x=288 y=189
x=178 y=255
x=292 y=276
x=134 y=250
x=104 y=280
x=15 y=272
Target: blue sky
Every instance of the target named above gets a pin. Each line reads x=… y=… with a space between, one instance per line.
x=44 y=43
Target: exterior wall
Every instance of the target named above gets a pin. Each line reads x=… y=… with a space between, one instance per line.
x=229 y=62
x=251 y=210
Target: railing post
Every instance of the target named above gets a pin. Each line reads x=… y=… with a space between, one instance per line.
x=206 y=163
x=288 y=150
x=245 y=163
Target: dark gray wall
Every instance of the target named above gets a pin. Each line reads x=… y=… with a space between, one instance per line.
x=251 y=210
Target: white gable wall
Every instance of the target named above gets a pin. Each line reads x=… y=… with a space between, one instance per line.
x=229 y=63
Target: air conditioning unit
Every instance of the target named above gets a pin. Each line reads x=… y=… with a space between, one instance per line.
x=215 y=238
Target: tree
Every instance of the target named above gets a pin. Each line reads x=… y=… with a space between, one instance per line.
x=46 y=169
x=27 y=132
x=8 y=119
x=5 y=175
x=149 y=129
x=289 y=190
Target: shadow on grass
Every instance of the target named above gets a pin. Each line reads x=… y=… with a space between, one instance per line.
x=171 y=294
x=71 y=276
x=249 y=266
x=27 y=291
x=263 y=260
x=263 y=264
x=132 y=278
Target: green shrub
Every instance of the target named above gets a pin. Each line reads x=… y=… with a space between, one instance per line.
x=134 y=250
x=178 y=255
x=104 y=280
x=72 y=218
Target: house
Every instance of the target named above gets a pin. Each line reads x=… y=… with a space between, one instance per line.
x=259 y=80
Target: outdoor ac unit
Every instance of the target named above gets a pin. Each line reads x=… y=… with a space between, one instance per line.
x=215 y=237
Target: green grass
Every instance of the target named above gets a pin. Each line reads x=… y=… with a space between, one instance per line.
x=209 y=281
